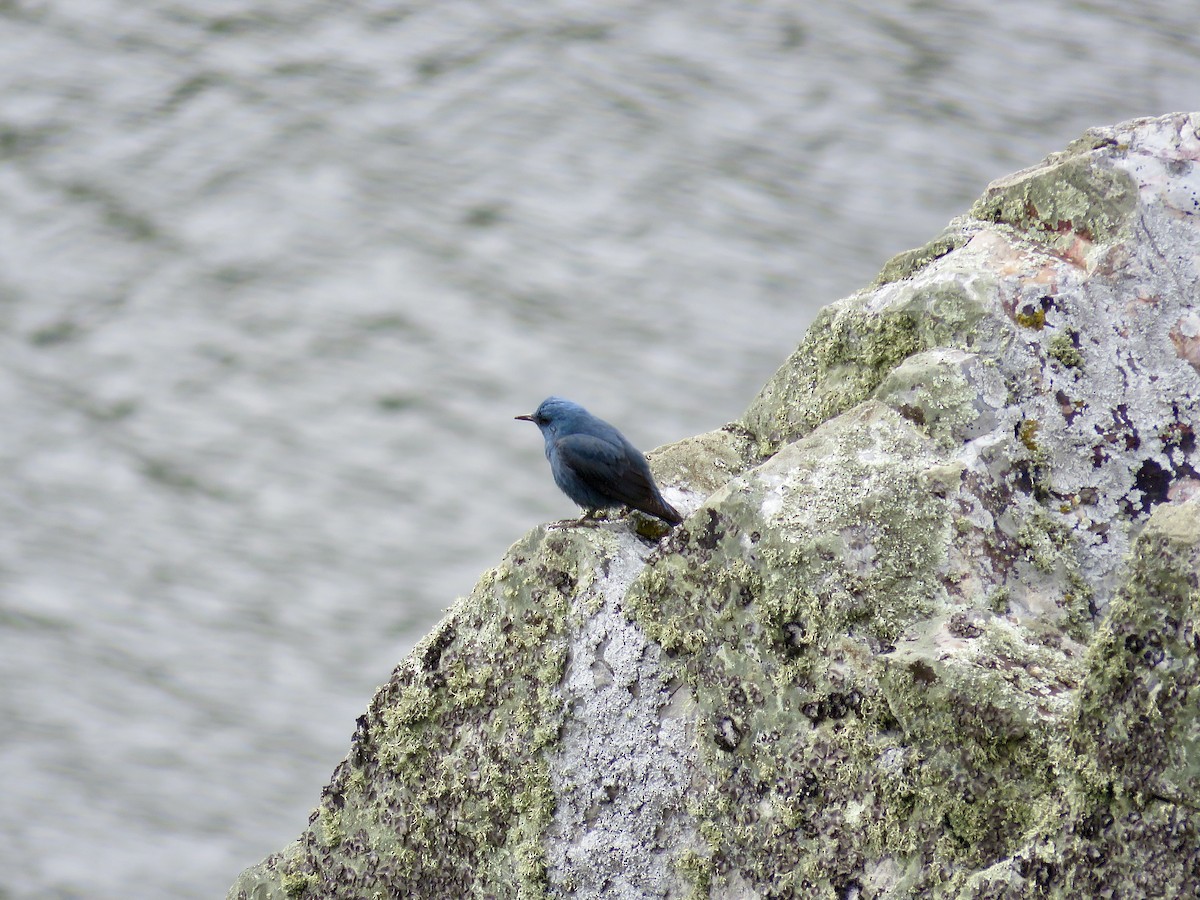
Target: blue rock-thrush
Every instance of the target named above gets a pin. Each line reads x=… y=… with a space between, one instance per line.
x=594 y=464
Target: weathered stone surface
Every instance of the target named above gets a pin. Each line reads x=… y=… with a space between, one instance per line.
x=930 y=629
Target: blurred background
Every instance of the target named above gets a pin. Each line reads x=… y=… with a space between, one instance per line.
x=276 y=276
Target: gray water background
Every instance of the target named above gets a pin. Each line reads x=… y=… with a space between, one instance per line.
x=275 y=277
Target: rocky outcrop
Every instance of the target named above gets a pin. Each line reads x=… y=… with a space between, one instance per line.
x=930 y=629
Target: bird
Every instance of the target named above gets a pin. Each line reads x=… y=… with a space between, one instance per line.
x=594 y=464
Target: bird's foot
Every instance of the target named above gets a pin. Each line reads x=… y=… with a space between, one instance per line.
x=565 y=524
x=591 y=518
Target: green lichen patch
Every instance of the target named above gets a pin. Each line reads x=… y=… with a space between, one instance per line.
x=857 y=722
x=905 y=264
x=931 y=391
x=1139 y=723
x=1064 y=199
x=1064 y=347
x=1109 y=850
x=981 y=718
x=1030 y=571
x=1123 y=819
x=1034 y=319
x=844 y=355
x=705 y=462
x=779 y=603
x=447 y=791
x=853 y=345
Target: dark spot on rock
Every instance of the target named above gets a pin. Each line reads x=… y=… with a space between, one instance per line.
x=808 y=785
x=1070 y=408
x=649 y=528
x=962 y=627
x=564 y=581
x=914 y=414
x=1094 y=824
x=1179 y=166
x=794 y=634
x=1179 y=434
x=922 y=672
x=1134 y=643
x=360 y=742
x=710 y=534
x=836 y=706
x=1154 y=482
x=727 y=735
x=1042 y=872
x=850 y=890
x=1125 y=427
x=755 y=537
x=433 y=653
x=1023 y=479
x=1066 y=226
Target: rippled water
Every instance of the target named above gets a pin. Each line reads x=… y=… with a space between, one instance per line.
x=275 y=277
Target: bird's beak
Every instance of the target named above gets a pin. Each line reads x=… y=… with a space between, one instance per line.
x=524 y=418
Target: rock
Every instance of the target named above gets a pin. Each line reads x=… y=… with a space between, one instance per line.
x=930 y=629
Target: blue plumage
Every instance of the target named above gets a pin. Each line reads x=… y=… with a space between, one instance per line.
x=594 y=464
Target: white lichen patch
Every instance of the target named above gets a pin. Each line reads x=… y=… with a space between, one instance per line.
x=621 y=769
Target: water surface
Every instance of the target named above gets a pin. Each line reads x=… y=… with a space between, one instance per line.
x=275 y=277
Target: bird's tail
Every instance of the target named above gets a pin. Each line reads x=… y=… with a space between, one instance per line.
x=659 y=507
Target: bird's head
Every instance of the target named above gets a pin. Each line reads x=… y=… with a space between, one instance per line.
x=555 y=415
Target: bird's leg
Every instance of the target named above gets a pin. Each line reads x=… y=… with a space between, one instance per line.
x=587 y=520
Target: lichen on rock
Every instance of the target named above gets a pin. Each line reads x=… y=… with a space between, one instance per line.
x=446 y=791
x=931 y=627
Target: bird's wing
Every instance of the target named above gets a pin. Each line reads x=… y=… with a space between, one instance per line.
x=607 y=468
